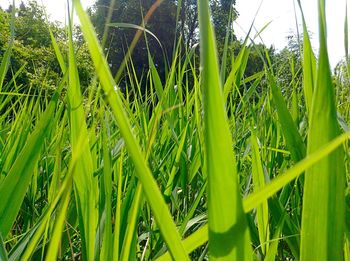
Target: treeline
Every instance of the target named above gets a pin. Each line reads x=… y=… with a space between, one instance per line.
x=33 y=65
x=171 y=27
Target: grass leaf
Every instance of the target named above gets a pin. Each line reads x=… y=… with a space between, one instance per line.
x=228 y=231
x=151 y=190
x=322 y=230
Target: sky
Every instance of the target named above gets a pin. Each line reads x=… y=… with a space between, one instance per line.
x=279 y=14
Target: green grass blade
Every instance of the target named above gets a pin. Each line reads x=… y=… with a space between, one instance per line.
x=228 y=231
x=193 y=208
x=273 y=249
x=262 y=212
x=190 y=243
x=132 y=222
x=118 y=168
x=85 y=183
x=322 y=231
x=17 y=251
x=3 y=254
x=14 y=187
x=169 y=185
x=294 y=141
x=309 y=65
x=107 y=243
x=151 y=190
x=199 y=237
x=156 y=79
x=54 y=245
x=137 y=27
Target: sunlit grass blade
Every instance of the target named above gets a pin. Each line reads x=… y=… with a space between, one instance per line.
x=190 y=243
x=106 y=195
x=293 y=139
x=63 y=193
x=234 y=78
x=169 y=185
x=273 y=249
x=3 y=254
x=151 y=190
x=199 y=237
x=118 y=168
x=322 y=230
x=226 y=46
x=262 y=212
x=85 y=183
x=54 y=245
x=228 y=231
x=14 y=187
x=193 y=208
x=132 y=221
x=155 y=77
x=309 y=65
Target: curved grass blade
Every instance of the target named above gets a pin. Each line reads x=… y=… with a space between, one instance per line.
x=229 y=237
x=132 y=224
x=106 y=193
x=262 y=212
x=309 y=64
x=273 y=249
x=150 y=187
x=54 y=245
x=14 y=187
x=85 y=184
x=290 y=132
x=3 y=254
x=200 y=237
x=322 y=230
x=137 y=27
x=169 y=186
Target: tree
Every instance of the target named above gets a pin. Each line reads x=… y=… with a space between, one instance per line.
x=162 y=24
x=220 y=9
x=32 y=54
x=288 y=67
x=174 y=18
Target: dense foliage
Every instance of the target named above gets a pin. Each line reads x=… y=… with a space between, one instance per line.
x=33 y=57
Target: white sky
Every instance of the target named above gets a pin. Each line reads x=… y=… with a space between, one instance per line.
x=279 y=12
x=55 y=8
x=282 y=15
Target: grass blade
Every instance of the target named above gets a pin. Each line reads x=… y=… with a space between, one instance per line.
x=199 y=237
x=228 y=231
x=293 y=139
x=322 y=231
x=151 y=190
x=85 y=183
x=309 y=65
x=3 y=254
x=262 y=212
x=14 y=187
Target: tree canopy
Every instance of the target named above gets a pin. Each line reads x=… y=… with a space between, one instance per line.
x=172 y=20
x=33 y=57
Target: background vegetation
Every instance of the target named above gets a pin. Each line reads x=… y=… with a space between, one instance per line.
x=151 y=132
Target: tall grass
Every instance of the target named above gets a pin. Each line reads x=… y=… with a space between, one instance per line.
x=193 y=168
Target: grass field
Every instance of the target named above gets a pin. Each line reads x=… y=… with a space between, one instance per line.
x=202 y=166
